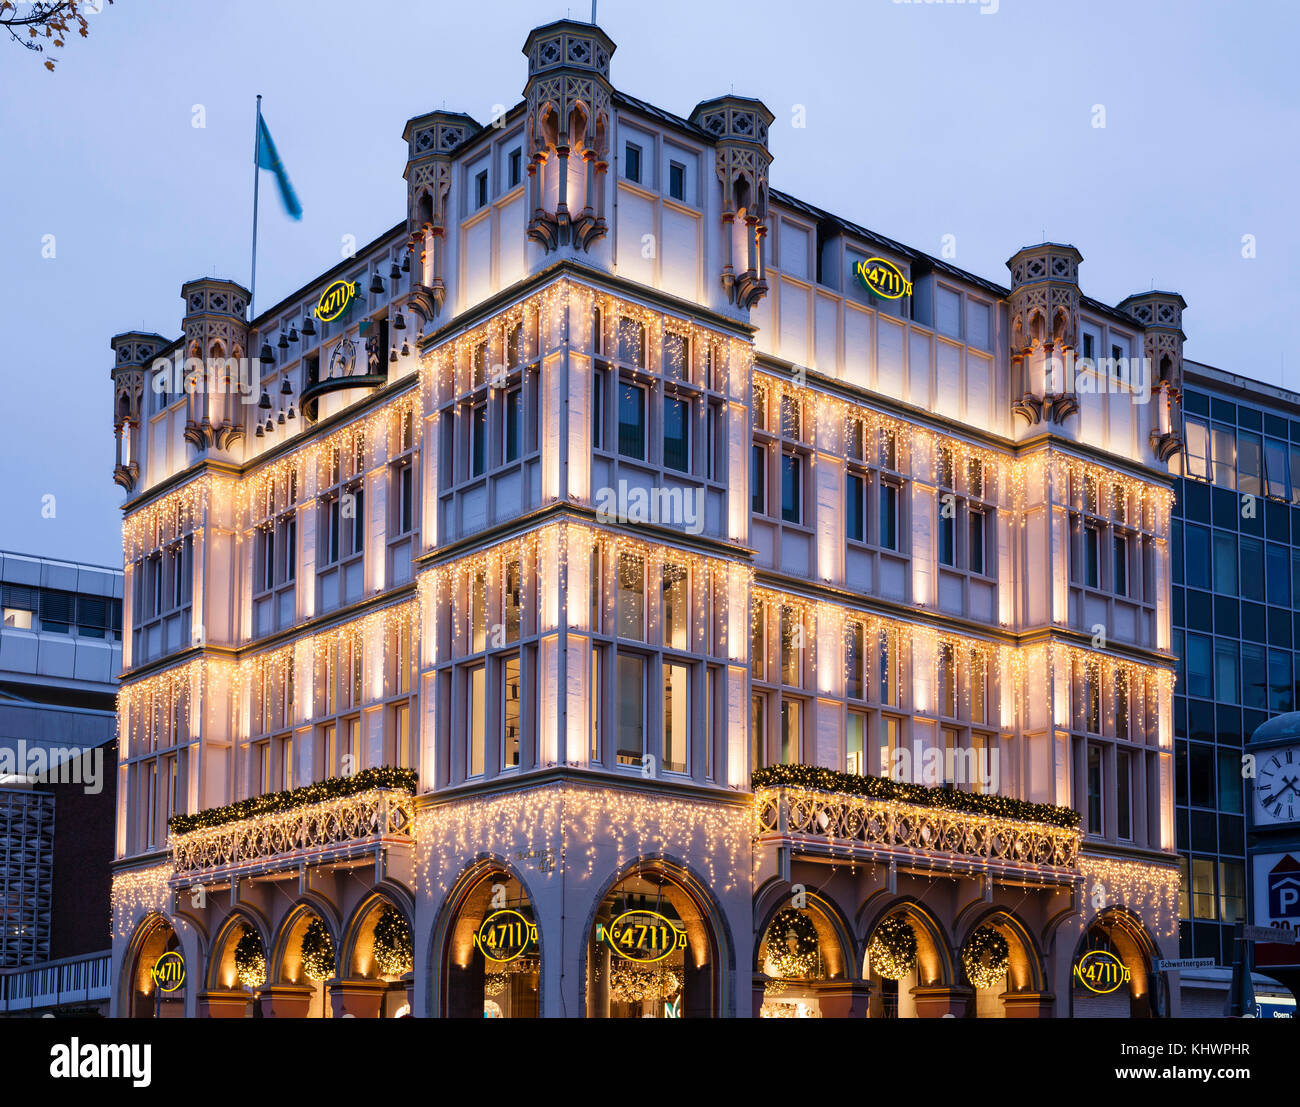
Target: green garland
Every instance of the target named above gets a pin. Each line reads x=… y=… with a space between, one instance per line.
x=333 y=788
x=985 y=957
x=392 y=943
x=250 y=960
x=317 y=950
x=892 y=948
x=792 y=946
x=879 y=787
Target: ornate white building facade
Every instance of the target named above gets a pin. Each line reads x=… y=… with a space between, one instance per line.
x=538 y=638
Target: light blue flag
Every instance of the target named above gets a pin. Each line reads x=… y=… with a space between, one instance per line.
x=268 y=158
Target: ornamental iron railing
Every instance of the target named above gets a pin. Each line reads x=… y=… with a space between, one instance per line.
x=327 y=830
x=833 y=823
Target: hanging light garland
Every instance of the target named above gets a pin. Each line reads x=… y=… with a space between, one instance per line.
x=630 y=982
x=985 y=957
x=892 y=948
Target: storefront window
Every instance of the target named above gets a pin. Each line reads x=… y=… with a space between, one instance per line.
x=493 y=963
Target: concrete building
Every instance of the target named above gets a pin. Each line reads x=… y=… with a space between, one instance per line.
x=626 y=589
x=60 y=654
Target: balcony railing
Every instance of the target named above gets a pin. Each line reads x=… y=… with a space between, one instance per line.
x=329 y=830
x=868 y=828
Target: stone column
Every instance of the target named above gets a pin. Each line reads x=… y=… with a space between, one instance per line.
x=232 y=1004
x=937 y=1001
x=286 y=1001
x=1029 y=1005
x=360 y=998
x=844 y=999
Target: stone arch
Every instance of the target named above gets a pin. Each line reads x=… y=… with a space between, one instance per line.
x=219 y=974
x=795 y=982
x=708 y=959
x=831 y=923
x=1122 y=933
x=935 y=972
x=357 y=947
x=301 y=913
x=1026 y=974
x=452 y=991
x=139 y=994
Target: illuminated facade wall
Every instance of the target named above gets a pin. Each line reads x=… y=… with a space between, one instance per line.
x=615 y=483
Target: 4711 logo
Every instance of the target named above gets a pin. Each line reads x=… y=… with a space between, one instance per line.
x=168 y=972
x=1101 y=971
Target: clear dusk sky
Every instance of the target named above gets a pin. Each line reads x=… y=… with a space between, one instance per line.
x=922 y=120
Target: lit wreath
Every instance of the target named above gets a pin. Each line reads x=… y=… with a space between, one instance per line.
x=392 y=943
x=317 y=951
x=250 y=960
x=985 y=956
x=892 y=948
x=792 y=947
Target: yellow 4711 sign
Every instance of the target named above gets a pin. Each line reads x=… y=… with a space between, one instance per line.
x=884 y=278
x=1101 y=972
x=644 y=936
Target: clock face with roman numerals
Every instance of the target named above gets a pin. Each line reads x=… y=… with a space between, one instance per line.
x=1277 y=785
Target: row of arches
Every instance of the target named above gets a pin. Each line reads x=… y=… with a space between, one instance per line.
x=655 y=945
x=897 y=959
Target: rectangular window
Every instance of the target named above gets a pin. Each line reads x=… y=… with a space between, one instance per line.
x=1225 y=562
x=1095 y=825
x=1203 y=892
x=1223 y=443
x=855 y=662
x=1121 y=565
x=758 y=731
x=1123 y=796
x=631 y=596
x=400 y=742
x=1249 y=464
x=1092 y=557
x=481 y=189
x=757 y=642
x=478 y=441
x=976 y=528
x=792 y=643
x=758 y=480
x=676 y=181
x=631 y=421
x=677 y=434
x=1200 y=672
x=791 y=488
x=512 y=599
x=632 y=162
x=1276 y=480
x=888 y=677
x=947 y=530
x=1254 y=676
x=1232 y=892
x=511 y=700
x=597 y=667
x=1252 y=569
x=1198 y=448
x=1277 y=562
x=888 y=516
x=477 y=729
x=855 y=744
x=855 y=519
x=675 y=617
x=600 y=384
x=631 y=709
x=947 y=680
x=791 y=731
x=328 y=764
x=1226 y=665
x=516 y=167
x=977 y=679
x=1230 y=785
x=676 y=716
x=514 y=419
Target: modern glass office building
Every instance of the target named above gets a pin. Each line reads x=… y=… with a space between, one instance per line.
x=1236 y=578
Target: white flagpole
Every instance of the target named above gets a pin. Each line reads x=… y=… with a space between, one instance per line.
x=257 y=142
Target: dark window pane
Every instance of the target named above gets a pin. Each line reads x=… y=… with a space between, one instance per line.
x=677 y=435
x=854 y=517
x=631 y=422
x=791 y=488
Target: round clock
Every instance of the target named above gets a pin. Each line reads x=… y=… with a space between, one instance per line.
x=1277 y=785
x=342 y=359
